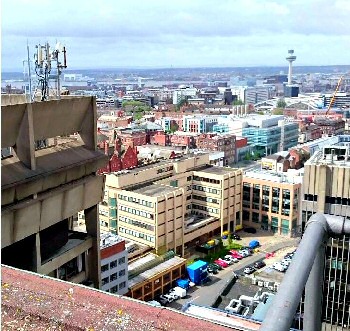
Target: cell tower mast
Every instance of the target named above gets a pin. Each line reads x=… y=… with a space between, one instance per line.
x=48 y=67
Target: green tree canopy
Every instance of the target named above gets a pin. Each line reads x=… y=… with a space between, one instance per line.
x=281 y=103
x=238 y=102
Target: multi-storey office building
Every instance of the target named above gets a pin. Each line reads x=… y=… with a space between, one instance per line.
x=326 y=189
x=199 y=123
x=270 y=201
x=114 y=264
x=41 y=190
x=174 y=204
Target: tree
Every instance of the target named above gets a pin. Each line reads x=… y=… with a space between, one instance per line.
x=174 y=127
x=277 y=111
x=281 y=104
x=238 y=102
x=182 y=102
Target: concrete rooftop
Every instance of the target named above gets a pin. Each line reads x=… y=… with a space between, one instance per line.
x=34 y=302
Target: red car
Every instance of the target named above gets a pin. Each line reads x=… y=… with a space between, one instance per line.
x=236 y=255
x=268 y=255
x=221 y=263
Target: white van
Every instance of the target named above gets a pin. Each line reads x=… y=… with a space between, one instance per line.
x=179 y=291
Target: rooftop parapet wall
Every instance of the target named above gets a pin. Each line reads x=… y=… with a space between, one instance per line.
x=31 y=171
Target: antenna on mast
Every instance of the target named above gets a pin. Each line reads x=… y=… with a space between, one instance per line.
x=45 y=58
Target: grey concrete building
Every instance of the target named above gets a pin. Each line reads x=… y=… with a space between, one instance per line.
x=326 y=189
x=42 y=190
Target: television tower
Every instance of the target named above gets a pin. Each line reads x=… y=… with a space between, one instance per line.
x=290 y=58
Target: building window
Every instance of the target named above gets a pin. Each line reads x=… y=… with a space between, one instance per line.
x=255 y=217
x=121 y=260
x=112 y=202
x=114 y=289
x=104 y=268
x=122 y=273
x=113 y=276
x=174 y=183
x=113 y=264
x=274 y=224
x=122 y=285
x=105 y=281
x=285 y=227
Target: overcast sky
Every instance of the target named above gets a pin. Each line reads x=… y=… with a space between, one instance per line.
x=178 y=33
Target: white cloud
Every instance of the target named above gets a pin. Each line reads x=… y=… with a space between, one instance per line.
x=179 y=33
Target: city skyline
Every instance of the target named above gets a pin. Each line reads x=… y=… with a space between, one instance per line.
x=196 y=34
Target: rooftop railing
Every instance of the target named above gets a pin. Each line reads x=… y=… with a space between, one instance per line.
x=307 y=272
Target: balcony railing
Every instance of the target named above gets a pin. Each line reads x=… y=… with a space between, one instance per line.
x=306 y=272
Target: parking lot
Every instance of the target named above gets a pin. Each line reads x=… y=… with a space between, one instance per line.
x=206 y=294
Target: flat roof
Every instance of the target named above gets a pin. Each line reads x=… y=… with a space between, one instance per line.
x=258 y=173
x=32 y=302
x=150 y=273
x=217 y=170
x=155 y=190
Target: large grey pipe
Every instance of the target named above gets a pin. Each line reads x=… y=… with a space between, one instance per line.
x=280 y=315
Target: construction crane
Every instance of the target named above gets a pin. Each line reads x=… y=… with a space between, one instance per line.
x=334 y=94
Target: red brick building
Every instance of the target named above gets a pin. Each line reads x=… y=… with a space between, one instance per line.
x=119 y=160
x=160 y=138
x=132 y=137
x=184 y=140
x=214 y=142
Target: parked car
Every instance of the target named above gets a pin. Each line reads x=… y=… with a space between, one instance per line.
x=221 y=263
x=163 y=300
x=173 y=295
x=170 y=298
x=216 y=266
x=179 y=291
x=259 y=264
x=249 y=270
x=227 y=260
x=268 y=255
x=289 y=255
x=235 y=236
x=286 y=263
x=236 y=255
x=249 y=230
x=230 y=257
x=154 y=303
x=244 y=252
x=213 y=270
x=279 y=267
x=254 y=244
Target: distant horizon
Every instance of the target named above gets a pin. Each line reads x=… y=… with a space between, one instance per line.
x=18 y=71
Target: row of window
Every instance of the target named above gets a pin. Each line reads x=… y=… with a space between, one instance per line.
x=206 y=189
x=103 y=212
x=135 y=200
x=208 y=180
x=113 y=265
x=114 y=289
x=104 y=223
x=208 y=209
x=169 y=168
x=113 y=276
x=207 y=199
x=137 y=234
x=136 y=212
x=136 y=223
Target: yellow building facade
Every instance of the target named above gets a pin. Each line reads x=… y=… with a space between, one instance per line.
x=173 y=205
